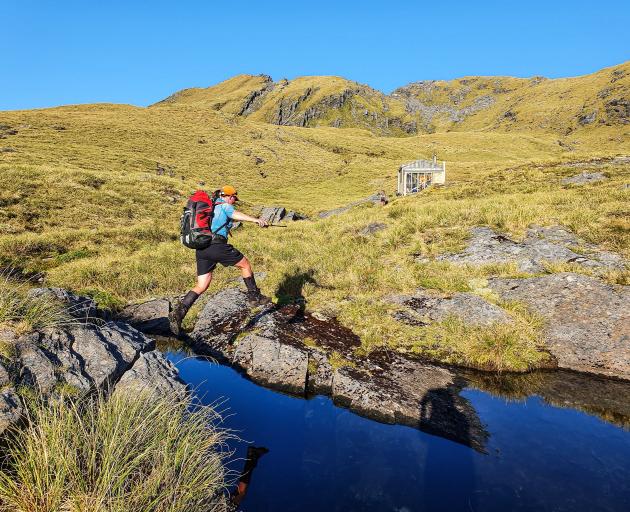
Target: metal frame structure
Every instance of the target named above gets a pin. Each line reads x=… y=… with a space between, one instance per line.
x=417 y=175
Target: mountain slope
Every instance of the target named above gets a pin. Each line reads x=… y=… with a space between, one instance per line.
x=313 y=101
x=560 y=106
x=91 y=195
x=535 y=104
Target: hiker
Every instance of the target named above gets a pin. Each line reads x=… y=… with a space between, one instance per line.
x=220 y=251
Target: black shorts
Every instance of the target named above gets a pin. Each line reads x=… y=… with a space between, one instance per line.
x=217 y=252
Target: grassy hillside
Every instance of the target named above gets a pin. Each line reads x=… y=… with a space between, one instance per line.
x=311 y=101
x=91 y=195
x=561 y=106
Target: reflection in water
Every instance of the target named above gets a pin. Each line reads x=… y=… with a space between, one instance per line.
x=606 y=398
x=254 y=453
x=445 y=413
x=322 y=457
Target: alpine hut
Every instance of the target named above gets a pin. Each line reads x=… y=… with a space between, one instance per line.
x=420 y=174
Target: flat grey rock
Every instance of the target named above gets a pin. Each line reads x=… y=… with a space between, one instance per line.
x=425 y=307
x=585 y=178
x=587 y=322
x=154 y=374
x=150 y=317
x=541 y=245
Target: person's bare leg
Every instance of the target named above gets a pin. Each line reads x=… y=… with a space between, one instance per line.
x=203 y=282
x=245 y=267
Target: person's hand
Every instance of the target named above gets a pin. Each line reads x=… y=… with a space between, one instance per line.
x=262 y=223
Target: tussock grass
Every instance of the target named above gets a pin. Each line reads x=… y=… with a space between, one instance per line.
x=124 y=453
x=25 y=312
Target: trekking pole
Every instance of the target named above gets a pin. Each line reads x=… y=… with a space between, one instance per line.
x=276 y=226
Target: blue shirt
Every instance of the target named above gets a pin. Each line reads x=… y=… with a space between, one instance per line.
x=222 y=220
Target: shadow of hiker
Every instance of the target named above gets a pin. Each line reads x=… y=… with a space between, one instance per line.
x=444 y=413
x=290 y=289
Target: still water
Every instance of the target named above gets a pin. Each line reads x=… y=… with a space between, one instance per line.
x=325 y=458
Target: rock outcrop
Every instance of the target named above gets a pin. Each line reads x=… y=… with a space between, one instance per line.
x=78 y=358
x=541 y=245
x=379 y=198
x=587 y=322
x=585 y=178
x=276 y=214
x=286 y=349
x=150 y=317
x=424 y=307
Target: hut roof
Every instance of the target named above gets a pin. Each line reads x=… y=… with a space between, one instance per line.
x=421 y=165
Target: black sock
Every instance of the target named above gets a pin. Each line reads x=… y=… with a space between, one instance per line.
x=250 y=282
x=189 y=299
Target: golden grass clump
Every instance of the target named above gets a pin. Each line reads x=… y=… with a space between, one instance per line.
x=123 y=453
x=25 y=312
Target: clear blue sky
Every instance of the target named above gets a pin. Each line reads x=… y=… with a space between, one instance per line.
x=138 y=52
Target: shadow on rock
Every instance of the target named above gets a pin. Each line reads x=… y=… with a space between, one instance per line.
x=290 y=289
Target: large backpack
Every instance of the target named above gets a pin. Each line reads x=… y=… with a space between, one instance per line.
x=196 y=220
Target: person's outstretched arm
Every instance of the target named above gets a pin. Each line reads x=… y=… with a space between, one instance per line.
x=247 y=218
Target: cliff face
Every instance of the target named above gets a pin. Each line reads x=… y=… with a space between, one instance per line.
x=305 y=101
x=470 y=103
x=506 y=104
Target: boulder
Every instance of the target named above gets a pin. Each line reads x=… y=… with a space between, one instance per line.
x=11 y=409
x=220 y=321
x=150 y=317
x=152 y=373
x=84 y=356
x=272 y=214
x=293 y=216
x=541 y=244
x=584 y=178
x=272 y=363
x=424 y=307
x=587 y=322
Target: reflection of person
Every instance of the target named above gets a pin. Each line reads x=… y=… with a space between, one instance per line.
x=253 y=454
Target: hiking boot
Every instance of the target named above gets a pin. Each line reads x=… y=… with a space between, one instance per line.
x=175 y=317
x=255 y=298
